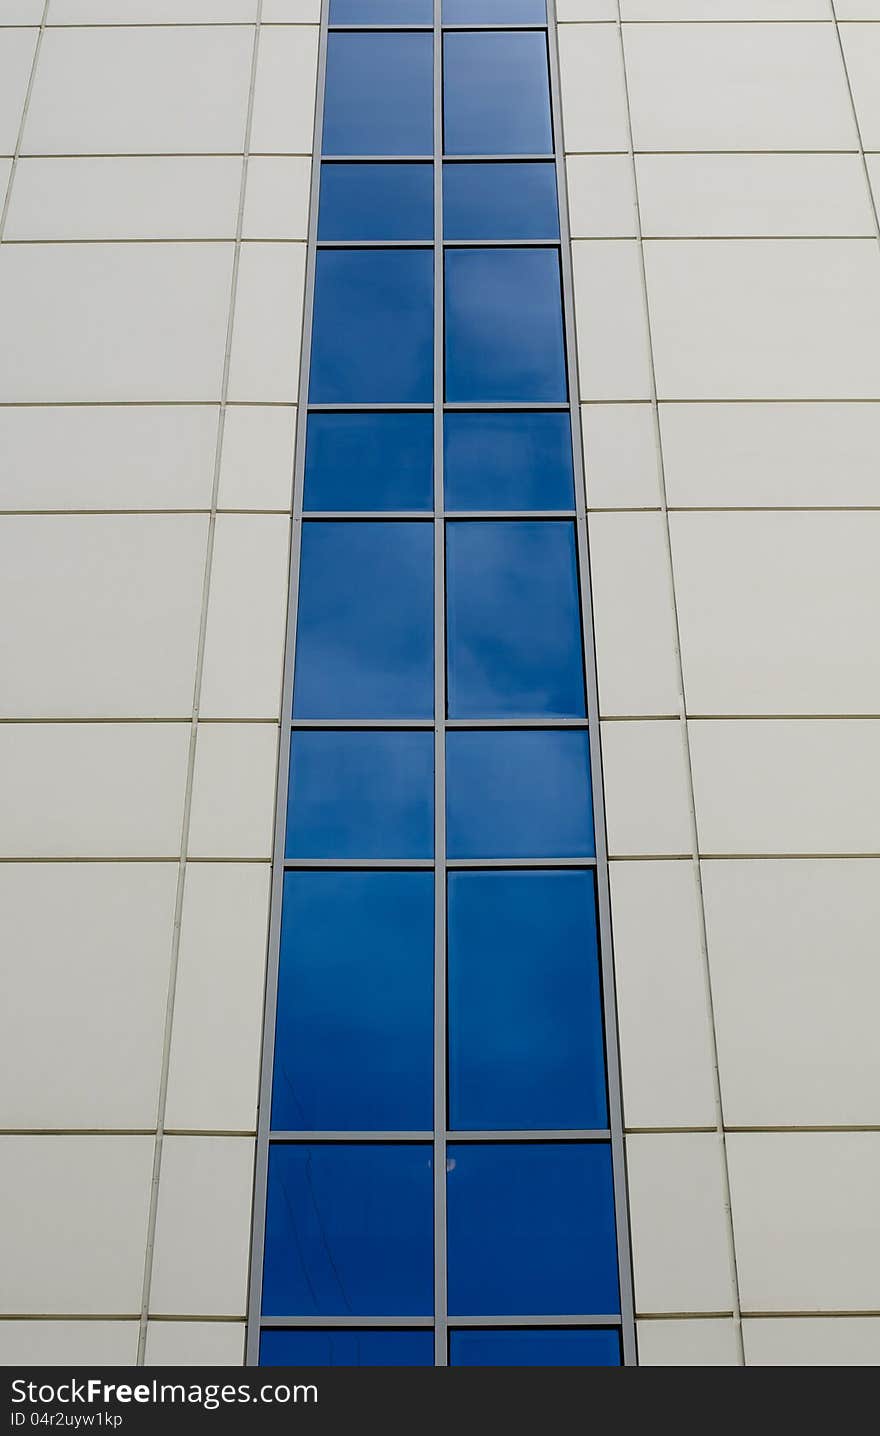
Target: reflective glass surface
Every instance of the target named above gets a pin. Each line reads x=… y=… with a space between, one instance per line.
x=364 y=635
x=494 y=12
x=496 y=93
x=364 y=201
x=507 y=461
x=353 y=1035
x=373 y=327
x=525 y=1014
x=349 y=1348
x=501 y=201
x=513 y=620
x=361 y=795
x=382 y=12
x=379 y=98
x=369 y=461
x=504 y=334
x=531 y=1229
x=349 y=1231
x=542 y=1346
x=518 y=795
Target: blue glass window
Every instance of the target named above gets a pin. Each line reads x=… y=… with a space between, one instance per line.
x=370 y=461
x=543 y=1346
x=518 y=794
x=507 y=461
x=349 y=1231
x=382 y=12
x=514 y=633
x=373 y=327
x=500 y=201
x=379 y=98
x=531 y=1229
x=493 y=12
x=364 y=638
x=364 y=201
x=361 y=795
x=525 y=1014
x=496 y=93
x=504 y=333
x=353 y=1035
x=350 y=1348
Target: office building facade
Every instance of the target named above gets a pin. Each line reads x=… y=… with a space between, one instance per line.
x=441 y=703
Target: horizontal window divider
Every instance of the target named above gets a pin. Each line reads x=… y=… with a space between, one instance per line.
x=379 y=26
x=509 y=515
x=501 y=243
x=377 y=515
x=376 y=159
x=506 y=723
x=342 y=1322
x=422 y=1322
x=368 y=408
x=290 y=1137
x=529 y=1134
x=496 y=159
x=509 y=406
x=334 y=865
x=364 y=724
x=485 y=864
x=323 y=244
x=579 y=1320
x=498 y=25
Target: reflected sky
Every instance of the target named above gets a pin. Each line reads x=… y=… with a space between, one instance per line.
x=531 y=1229
x=348 y=1348
x=354 y=1031
x=508 y=461
x=349 y=1231
x=525 y=1016
x=518 y=795
x=361 y=795
x=365 y=625
x=539 y=1347
x=496 y=93
x=369 y=461
x=513 y=615
x=500 y=201
x=367 y=201
x=504 y=333
x=373 y=327
x=380 y=94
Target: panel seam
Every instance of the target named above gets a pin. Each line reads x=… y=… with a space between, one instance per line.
x=685 y=736
x=149 y=1257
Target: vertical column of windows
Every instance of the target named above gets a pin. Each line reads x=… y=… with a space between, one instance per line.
x=435 y=1150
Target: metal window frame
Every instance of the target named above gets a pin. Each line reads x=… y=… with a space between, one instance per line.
x=439 y=1136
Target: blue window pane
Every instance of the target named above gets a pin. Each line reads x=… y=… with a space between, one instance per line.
x=496 y=93
x=493 y=12
x=380 y=95
x=503 y=201
x=365 y=201
x=373 y=327
x=349 y=1231
x=525 y=1014
x=504 y=333
x=531 y=1230
x=544 y=1346
x=353 y=1035
x=350 y=1348
x=518 y=795
x=382 y=12
x=364 y=640
x=361 y=795
x=514 y=632
x=507 y=461
x=370 y=461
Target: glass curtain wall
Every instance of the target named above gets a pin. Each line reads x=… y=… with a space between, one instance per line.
x=439 y=1163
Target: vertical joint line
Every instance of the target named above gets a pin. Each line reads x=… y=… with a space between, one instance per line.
x=440 y=1278
x=194 y=722
x=683 y=723
x=267 y=1060
x=603 y=894
x=872 y=198
x=22 y=122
